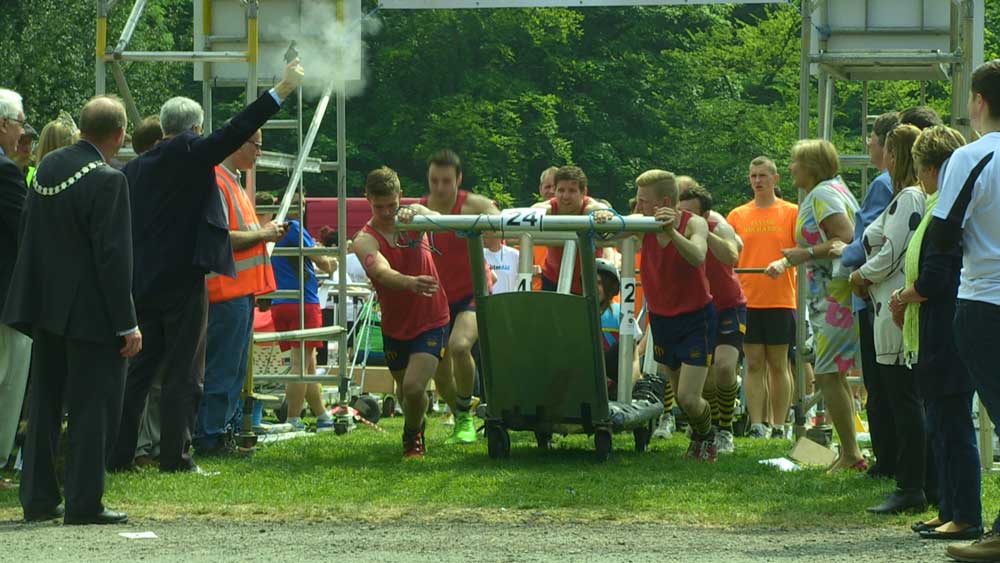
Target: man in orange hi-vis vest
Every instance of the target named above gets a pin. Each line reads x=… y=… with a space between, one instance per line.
x=231 y=303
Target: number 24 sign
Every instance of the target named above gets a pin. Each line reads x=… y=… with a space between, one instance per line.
x=529 y=218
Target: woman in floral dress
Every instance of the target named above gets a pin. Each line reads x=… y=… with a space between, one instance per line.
x=826 y=220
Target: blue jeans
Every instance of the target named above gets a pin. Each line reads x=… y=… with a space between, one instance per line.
x=956 y=455
x=976 y=326
x=230 y=327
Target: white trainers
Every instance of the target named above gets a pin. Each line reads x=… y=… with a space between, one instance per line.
x=759 y=430
x=665 y=429
x=724 y=442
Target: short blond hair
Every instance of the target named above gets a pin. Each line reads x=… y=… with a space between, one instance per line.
x=685 y=183
x=663 y=183
x=382 y=182
x=818 y=157
x=935 y=145
x=546 y=172
x=765 y=162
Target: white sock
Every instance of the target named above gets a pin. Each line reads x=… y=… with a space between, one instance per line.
x=324 y=416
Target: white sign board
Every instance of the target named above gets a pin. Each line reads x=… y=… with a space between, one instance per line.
x=312 y=24
x=522 y=218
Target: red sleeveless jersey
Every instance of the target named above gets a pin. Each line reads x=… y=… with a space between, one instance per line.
x=671 y=285
x=453 y=261
x=405 y=315
x=722 y=280
x=553 y=259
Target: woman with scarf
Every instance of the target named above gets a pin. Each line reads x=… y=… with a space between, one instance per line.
x=885 y=241
x=925 y=307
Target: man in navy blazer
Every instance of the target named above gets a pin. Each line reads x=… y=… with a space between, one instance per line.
x=180 y=233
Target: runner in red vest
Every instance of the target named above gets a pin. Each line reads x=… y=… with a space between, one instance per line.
x=724 y=247
x=455 y=377
x=414 y=306
x=571 y=199
x=681 y=313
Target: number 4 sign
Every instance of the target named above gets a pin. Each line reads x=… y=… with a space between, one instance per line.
x=524 y=282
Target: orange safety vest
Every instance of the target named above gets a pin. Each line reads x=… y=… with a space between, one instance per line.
x=254 y=275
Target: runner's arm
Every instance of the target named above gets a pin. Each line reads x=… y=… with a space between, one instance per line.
x=693 y=242
x=379 y=269
x=722 y=243
x=477 y=204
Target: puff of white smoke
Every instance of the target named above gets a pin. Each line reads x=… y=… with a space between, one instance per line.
x=331 y=49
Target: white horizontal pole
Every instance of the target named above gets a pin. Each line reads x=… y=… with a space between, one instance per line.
x=180 y=56
x=321 y=333
x=554 y=223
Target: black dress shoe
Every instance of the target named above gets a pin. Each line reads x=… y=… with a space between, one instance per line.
x=901 y=501
x=970 y=533
x=104 y=517
x=920 y=526
x=55 y=513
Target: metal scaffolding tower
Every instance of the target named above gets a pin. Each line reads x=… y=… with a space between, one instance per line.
x=214 y=49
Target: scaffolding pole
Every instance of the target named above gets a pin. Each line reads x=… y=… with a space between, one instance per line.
x=101 y=47
x=801 y=286
x=133 y=19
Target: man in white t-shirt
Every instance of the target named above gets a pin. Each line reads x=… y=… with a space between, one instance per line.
x=503 y=261
x=967 y=212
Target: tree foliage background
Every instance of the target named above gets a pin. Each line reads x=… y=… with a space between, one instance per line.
x=698 y=90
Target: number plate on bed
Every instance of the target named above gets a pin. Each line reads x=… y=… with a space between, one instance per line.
x=525 y=218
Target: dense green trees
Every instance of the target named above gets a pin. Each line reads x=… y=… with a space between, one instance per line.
x=699 y=90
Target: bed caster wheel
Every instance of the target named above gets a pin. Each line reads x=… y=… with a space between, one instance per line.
x=388 y=406
x=497 y=442
x=544 y=440
x=602 y=442
x=642 y=437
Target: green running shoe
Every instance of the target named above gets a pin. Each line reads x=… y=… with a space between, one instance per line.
x=465 y=430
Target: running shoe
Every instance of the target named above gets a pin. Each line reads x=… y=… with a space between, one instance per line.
x=413 y=446
x=724 y=442
x=708 y=451
x=665 y=429
x=464 y=431
x=758 y=430
x=325 y=425
x=694 y=449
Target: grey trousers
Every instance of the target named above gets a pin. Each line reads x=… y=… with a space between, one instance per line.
x=149 y=427
x=15 y=359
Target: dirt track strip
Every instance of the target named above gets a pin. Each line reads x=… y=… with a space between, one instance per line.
x=449 y=540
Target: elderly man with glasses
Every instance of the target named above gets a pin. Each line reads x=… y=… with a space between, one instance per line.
x=15 y=348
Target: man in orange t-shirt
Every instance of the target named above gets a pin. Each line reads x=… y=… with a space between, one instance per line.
x=767 y=225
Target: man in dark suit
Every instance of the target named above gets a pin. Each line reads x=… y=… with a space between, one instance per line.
x=15 y=348
x=72 y=290
x=180 y=233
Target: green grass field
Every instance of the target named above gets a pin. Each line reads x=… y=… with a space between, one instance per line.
x=363 y=475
